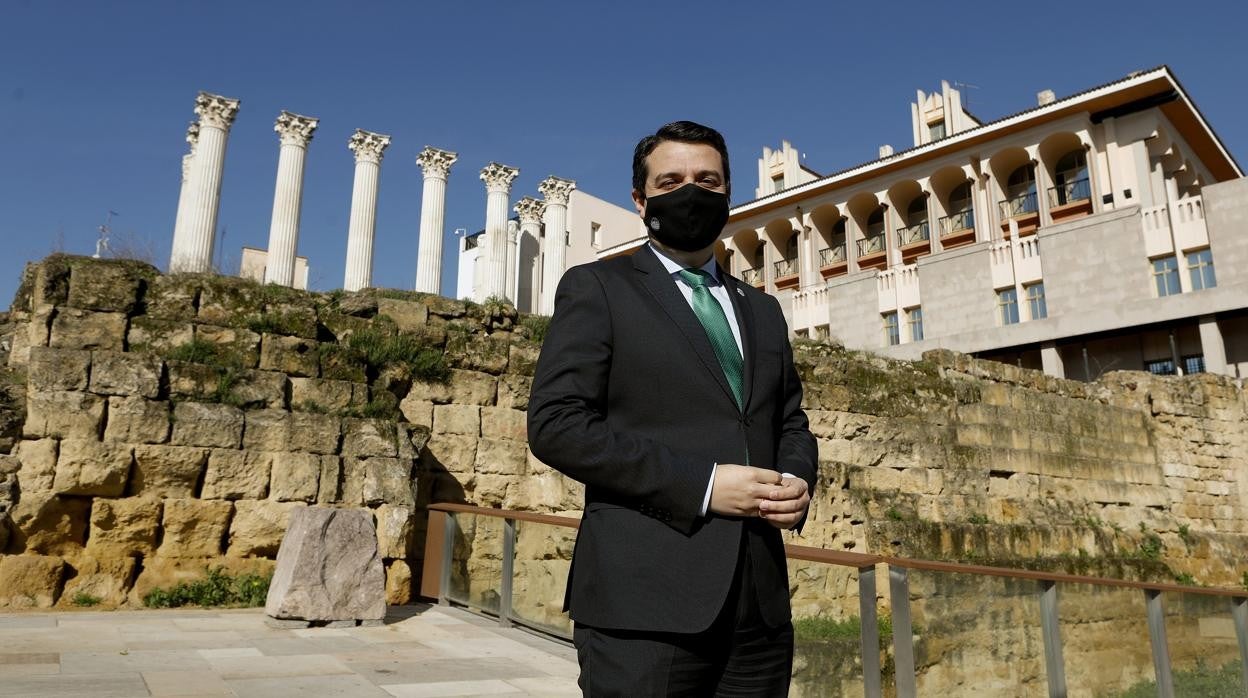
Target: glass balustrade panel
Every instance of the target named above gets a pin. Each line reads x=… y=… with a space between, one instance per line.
x=827 y=647
x=1204 y=652
x=477 y=562
x=1105 y=643
x=543 y=557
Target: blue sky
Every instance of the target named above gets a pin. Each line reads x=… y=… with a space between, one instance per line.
x=95 y=97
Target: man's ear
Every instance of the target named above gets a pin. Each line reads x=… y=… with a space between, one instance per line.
x=639 y=201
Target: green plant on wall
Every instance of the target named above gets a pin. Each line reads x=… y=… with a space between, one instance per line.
x=217 y=588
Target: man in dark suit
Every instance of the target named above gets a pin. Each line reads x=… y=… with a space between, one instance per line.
x=667 y=387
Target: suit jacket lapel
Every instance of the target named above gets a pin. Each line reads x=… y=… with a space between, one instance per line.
x=745 y=323
x=660 y=285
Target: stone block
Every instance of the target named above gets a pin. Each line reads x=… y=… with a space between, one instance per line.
x=363 y=438
x=457 y=419
x=171 y=297
x=125 y=373
x=165 y=572
x=513 y=391
x=227 y=301
x=497 y=456
x=92 y=467
x=190 y=381
x=328 y=568
x=31 y=581
x=504 y=423
x=105 y=286
x=339 y=363
x=83 y=329
x=398 y=583
x=295 y=477
x=451 y=453
x=522 y=359
x=267 y=430
x=324 y=395
x=258 y=527
x=194 y=528
x=46 y=523
x=264 y=389
x=290 y=355
x=295 y=315
x=51 y=283
x=412 y=440
x=394 y=531
x=329 y=483
x=351 y=489
x=158 y=336
x=416 y=411
x=51 y=369
x=388 y=481
x=63 y=414
x=207 y=424
x=241 y=346
x=123 y=527
x=408 y=316
x=137 y=420
x=38 y=464
x=107 y=580
x=314 y=433
x=237 y=474
x=476 y=352
x=167 y=471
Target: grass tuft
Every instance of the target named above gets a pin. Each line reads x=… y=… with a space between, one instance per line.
x=218 y=588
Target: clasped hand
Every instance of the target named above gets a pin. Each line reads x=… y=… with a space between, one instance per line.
x=742 y=490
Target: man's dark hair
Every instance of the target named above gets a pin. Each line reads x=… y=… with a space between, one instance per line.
x=684 y=132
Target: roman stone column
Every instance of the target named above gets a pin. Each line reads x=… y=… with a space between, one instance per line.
x=192 y=137
x=556 y=192
x=193 y=252
x=513 y=237
x=368 y=148
x=436 y=165
x=295 y=132
x=530 y=211
x=498 y=179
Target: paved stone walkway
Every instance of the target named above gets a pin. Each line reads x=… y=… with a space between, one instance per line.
x=421 y=651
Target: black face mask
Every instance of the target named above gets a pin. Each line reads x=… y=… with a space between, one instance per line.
x=687 y=219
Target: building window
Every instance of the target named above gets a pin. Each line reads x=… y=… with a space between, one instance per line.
x=1160 y=367
x=1036 y=305
x=914 y=319
x=595 y=235
x=802 y=333
x=777 y=183
x=936 y=131
x=821 y=332
x=1007 y=306
x=892 y=333
x=1166 y=276
x=1200 y=266
x=1193 y=364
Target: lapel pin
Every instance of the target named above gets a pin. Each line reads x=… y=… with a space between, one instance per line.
x=741 y=293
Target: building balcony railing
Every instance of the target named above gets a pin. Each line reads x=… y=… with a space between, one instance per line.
x=957 y=222
x=753 y=276
x=870 y=245
x=911 y=234
x=784 y=267
x=832 y=255
x=1019 y=206
x=1070 y=193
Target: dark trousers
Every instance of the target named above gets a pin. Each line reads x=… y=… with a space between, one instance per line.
x=737 y=656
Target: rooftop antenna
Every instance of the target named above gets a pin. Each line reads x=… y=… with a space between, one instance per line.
x=960 y=85
x=101 y=244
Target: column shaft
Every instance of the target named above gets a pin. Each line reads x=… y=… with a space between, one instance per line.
x=432 y=217
x=194 y=251
x=556 y=223
x=359 y=272
x=495 y=278
x=284 y=230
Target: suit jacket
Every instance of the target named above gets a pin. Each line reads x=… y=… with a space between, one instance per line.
x=629 y=399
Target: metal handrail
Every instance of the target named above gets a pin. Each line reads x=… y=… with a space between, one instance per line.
x=832 y=255
x=784 y=267
x=911 y=234
x=957 y=221
x=441 y=532
x=752 y=276
x=1020 y=205
x=871 y=245
x=1070 y=192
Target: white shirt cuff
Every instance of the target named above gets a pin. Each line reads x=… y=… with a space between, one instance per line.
x=706 y=500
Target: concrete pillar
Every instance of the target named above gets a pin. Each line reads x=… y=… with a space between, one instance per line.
x=530 y=211
x=179 y=233
x=368 y=148
x=1042 y=192
x=498 y=179
x=556 y=192
x=193 y=252
x=1051 y=360
x=1213 y=347
x=436 y=165
x=295 y=132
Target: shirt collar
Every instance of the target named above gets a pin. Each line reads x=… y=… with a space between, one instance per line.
x=673 y=267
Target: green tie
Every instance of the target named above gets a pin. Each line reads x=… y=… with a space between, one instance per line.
x=711 y=314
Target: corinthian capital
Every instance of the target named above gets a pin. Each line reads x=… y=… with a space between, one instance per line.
x=498 y=177
x=192 y=134
x=436 y=162
x=295 y=129
x=215 y=110
x=368 y=146
x=556 y=190
x=530 y=210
